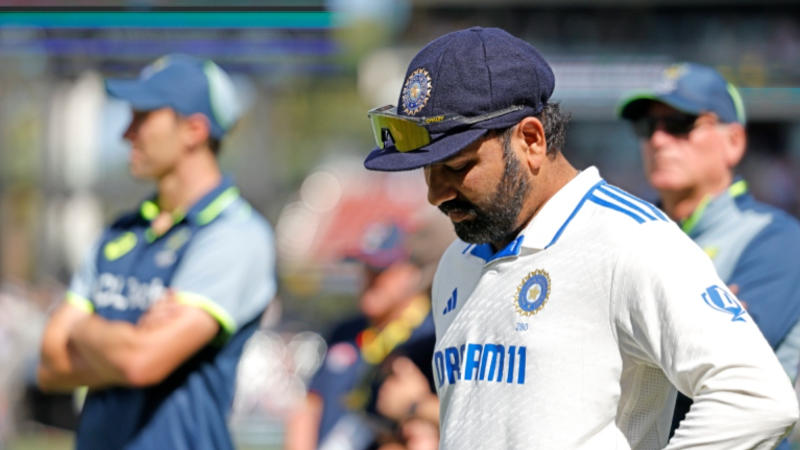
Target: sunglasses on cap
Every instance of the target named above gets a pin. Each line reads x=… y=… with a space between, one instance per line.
x=410 y=133
x=675 y=124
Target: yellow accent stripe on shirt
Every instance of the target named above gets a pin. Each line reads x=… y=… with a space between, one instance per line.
x=219 y=204
x=149 y=210
x=206 y=304
x=688 y=225
x=120 y=246
x=738 y=188
x=79 y=302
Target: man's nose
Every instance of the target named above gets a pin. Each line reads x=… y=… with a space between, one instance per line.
x=130 y=132
x=440 y=185
x=133 y=126
x=659 y=137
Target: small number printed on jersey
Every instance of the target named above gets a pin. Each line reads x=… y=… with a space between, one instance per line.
x=723 y=301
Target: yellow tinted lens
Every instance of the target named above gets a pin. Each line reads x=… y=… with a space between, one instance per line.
x=407 y=135
x=375 y=121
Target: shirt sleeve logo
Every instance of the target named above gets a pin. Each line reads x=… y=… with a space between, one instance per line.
x=533 y=293
x=722 y=300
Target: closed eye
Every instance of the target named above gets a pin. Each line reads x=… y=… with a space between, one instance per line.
x=460 y=167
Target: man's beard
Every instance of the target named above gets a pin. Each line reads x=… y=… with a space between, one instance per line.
x=496 y=220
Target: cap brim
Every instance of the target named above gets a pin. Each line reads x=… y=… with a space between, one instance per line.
x=635 y=105
x=388 y=159
x=138 y=94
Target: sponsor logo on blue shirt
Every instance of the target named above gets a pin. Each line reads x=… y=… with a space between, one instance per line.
x=126 y=293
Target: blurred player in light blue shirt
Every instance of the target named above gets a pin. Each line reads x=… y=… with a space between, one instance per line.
x=155 y=320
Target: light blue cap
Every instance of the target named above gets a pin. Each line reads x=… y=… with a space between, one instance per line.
x=690 y=88
x=187 y=84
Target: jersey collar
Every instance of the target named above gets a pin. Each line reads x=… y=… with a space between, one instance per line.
x=709 y=205
x=548 y=223
x=203 y=212
x=211 y=205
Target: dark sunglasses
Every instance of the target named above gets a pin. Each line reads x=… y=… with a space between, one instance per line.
x=676 y=125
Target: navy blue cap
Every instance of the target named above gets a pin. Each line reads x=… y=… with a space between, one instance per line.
x=690 y=88
x=186 y=84
x=468 y=72
x=381 y=245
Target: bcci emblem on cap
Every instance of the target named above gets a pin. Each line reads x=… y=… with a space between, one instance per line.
x=416 y=91
x=533 y=293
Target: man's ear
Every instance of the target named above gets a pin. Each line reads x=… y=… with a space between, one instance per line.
x=736 y=143
x=196 y=130
x=530 y=132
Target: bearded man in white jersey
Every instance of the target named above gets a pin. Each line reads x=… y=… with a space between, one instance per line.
x=568 y=311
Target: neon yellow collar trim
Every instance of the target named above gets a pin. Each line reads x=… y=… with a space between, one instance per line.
x=736 y=189
x=150 y=210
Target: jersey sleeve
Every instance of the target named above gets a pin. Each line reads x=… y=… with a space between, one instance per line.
x=674 y=313
x=228 y=271
x=769 y=280
x=79 y=292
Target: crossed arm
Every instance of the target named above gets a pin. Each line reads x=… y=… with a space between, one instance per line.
x=83 y=349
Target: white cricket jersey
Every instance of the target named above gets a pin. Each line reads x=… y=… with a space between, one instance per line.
x=573 y=336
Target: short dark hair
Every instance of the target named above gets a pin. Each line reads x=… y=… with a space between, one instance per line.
x=555 y=127
x=214 y=144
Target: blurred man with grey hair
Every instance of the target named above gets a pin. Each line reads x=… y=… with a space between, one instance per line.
x=692 y=135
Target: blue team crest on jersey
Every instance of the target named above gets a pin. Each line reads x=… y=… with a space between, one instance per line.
x=722 y=300
x=533 y=293
x=416 y=91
